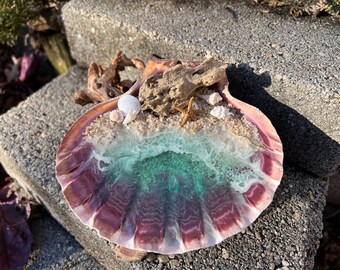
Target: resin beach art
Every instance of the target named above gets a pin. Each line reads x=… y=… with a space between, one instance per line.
x=169 y=163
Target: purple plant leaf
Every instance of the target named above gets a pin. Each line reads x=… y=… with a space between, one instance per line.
x=15 y=236
x=3 y=84
x=28 y=66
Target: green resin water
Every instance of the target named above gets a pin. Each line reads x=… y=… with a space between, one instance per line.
x=177 y=158
x=175 y=166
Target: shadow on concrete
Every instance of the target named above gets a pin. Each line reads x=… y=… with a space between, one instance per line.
x=304 y=144
x=300 y=197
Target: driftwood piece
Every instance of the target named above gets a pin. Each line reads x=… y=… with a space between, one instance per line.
x=105 y=83
x=160 y=92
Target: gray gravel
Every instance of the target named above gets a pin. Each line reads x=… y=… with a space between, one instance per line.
x=289 y=230
x=54 y=248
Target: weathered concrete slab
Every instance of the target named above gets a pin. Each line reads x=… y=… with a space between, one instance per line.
x=54 y=248
x=286 y=234
x=296 y=61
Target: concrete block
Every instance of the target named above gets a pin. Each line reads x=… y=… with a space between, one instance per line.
x=288 y=68
x=287 y=232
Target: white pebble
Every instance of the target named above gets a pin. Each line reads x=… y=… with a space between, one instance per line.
x=212 y=99
x=220 y=112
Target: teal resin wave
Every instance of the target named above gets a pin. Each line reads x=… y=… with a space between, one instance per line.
x=199 y=158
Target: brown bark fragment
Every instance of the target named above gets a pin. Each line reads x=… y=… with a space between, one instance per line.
x=130 y=255
x=105 y=83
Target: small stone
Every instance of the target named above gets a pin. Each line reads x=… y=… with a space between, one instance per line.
x=296 y=216
x=212 y=99
x=163 y=258
x=271 y=266
x=225 y=254
x=174 y=263
x=285 y=263
x=283 y=268
x=285 y=55
x=262 y=70
x=26 y=147
x=274 y=46
x=257 y=235
x=278 y=77
x=151 y=257
x=69 y=248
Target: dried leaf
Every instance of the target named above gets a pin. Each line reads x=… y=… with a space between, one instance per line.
x=15 y=236
x=57 y=53
x=28 y=66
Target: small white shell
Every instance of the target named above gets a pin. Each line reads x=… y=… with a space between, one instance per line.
x=212 y=99
x=117 y=116
x=220 y=112
x=131 y=115
x=127 y=103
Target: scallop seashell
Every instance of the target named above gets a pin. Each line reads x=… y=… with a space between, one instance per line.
x=117 y=116
x=127 y=103
x=170 y=191
x=212 y=99
x=131 y=115
x=220 y=112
